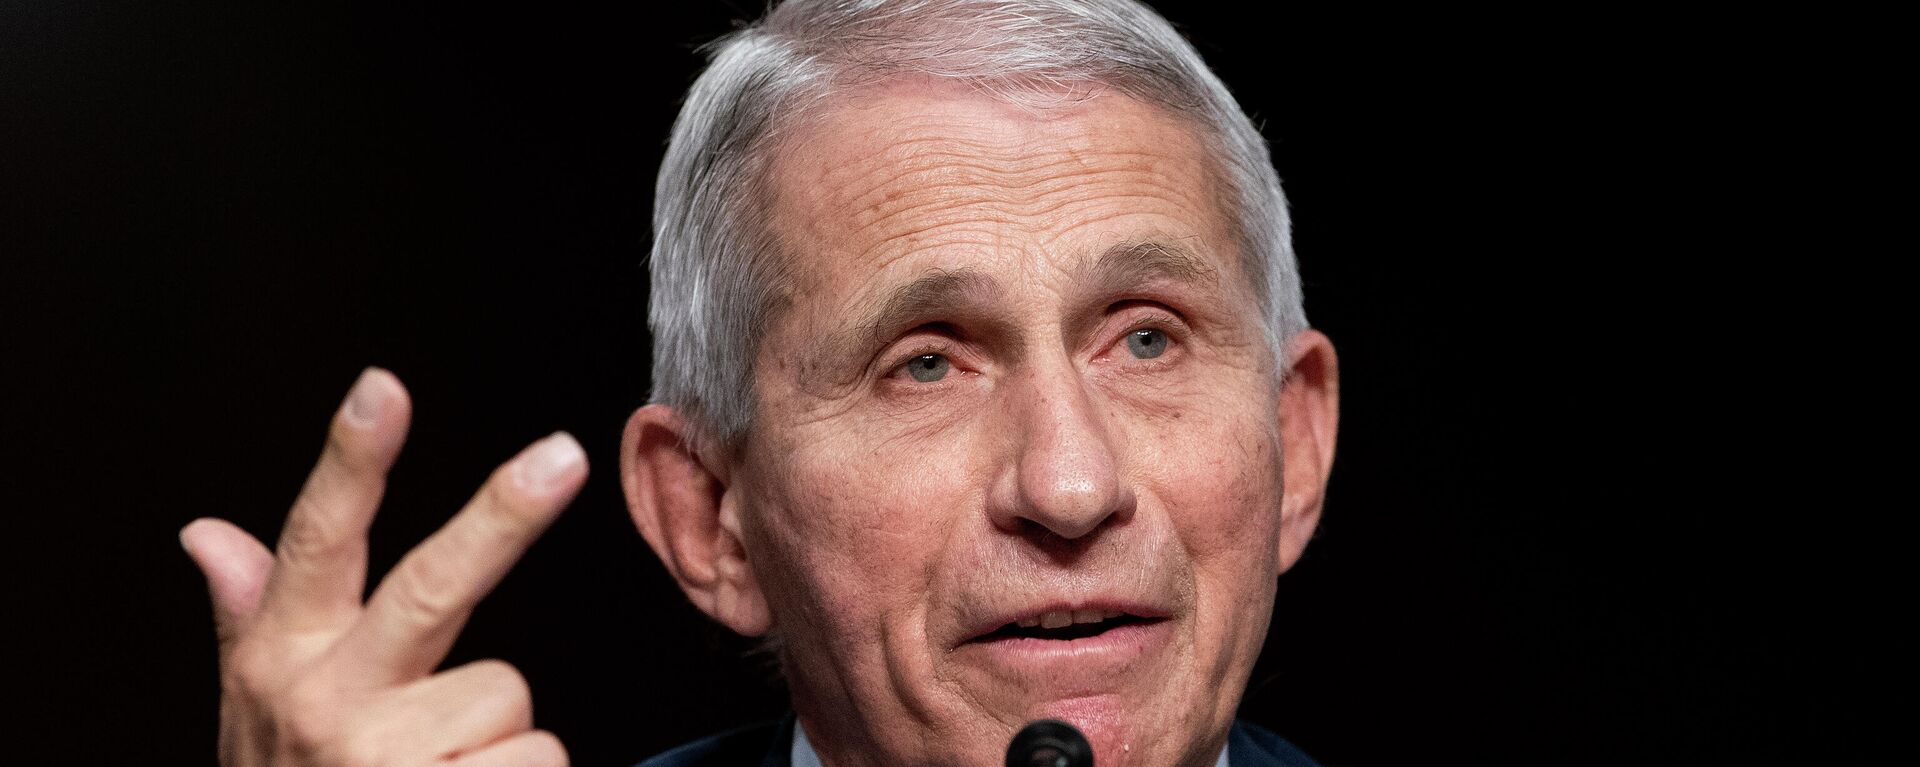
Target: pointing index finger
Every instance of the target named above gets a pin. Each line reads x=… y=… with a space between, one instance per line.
x=420 y=607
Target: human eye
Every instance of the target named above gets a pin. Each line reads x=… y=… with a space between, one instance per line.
x=1152 y=336
x=928 y=368
x=930 y=362
x=1148 y=343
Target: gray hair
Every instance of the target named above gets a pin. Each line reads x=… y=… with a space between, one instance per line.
x=717 y=274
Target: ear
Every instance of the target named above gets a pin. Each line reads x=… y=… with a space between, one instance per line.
x=684 y=509
x=1309 y=415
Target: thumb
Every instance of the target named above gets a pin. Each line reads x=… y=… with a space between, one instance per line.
x=236 y=566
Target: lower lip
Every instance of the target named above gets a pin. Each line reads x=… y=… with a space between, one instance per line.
x=1088 y=664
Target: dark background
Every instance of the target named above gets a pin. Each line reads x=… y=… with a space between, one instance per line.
x=1554 y=535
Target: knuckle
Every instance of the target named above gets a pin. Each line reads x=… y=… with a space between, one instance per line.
x=427 y=595
x=503 y=690
x=312 y=529
x=503 y=679
x=545 y=750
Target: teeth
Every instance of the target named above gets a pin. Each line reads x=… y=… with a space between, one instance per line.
x=1061 y=618
x=1054 y=619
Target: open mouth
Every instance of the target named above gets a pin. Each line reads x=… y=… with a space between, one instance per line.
x=1065 y=626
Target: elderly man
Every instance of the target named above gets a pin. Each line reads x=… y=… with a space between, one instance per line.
x=982 y=392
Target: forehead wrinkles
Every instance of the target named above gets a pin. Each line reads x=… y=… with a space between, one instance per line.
x=932 y=184
x=866 y=185
x=873 y=181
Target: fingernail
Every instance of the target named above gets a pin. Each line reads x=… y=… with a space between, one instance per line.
x=550 y=462
x=364 y=401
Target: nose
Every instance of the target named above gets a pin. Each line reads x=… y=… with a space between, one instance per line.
x=1064 y=473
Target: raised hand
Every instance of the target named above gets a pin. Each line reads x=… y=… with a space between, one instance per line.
x=311 y=676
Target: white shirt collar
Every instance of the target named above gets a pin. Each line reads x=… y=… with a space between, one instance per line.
x=803 y=754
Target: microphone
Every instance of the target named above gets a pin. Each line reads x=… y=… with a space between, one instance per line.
x=1049 y=743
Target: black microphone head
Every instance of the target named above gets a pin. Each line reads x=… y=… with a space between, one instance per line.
x=1049 y=743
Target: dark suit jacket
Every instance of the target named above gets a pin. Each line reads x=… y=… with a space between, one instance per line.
x=771 y=745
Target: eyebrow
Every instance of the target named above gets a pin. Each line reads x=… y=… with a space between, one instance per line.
x=945 y=293
x=1125 y=266
x=939 y=292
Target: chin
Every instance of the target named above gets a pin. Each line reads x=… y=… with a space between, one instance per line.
x=1138 y=734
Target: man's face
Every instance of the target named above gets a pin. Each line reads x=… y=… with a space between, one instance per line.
x=1020 y=381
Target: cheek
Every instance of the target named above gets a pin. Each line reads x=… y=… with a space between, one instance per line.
x=857 y=534
x=1224 y=498
x=1215 y=464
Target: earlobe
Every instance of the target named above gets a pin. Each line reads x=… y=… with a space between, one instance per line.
x=687 y=513
x=1309 y=416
